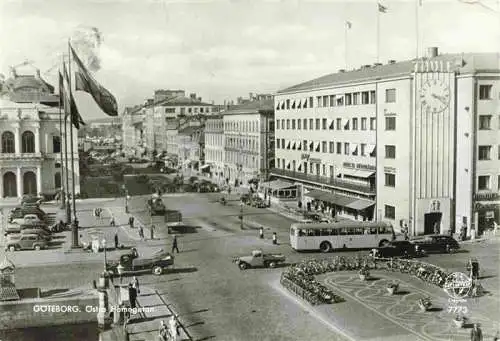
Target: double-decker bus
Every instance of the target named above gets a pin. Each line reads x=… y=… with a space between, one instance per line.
x=340 y=235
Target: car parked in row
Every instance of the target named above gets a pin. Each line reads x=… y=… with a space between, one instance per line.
x=396 y=248
x=16 y=242
x=436 y=243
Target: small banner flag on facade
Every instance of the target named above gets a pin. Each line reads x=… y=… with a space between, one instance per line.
x=85 y=82
x=382 y=8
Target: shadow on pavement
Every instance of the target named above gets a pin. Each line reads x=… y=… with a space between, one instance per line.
x=206 y=338
x=53 y=292
x=182 y=270
x=435 y=309
x=184 y=229
x=401 y=292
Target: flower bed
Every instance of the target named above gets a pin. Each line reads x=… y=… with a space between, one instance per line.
x=299 y=278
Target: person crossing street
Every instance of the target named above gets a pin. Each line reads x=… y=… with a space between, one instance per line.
x=275 y=238
x=174 y=244
x=261 y=232
x=152 y=233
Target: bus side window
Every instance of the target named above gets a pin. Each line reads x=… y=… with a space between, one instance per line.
x=317 y=233
x=334 y=232
x=310 y=232
x=358 y=230
x=301 y=233
x=373 y=230
x=382 y=230
x=343 y=232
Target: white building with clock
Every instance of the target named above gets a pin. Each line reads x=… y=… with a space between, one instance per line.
x=30 y=139
x=415 y=143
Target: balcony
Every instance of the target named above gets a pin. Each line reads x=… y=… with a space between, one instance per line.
x=325 y=180
x=486 y=196
x=21 y=156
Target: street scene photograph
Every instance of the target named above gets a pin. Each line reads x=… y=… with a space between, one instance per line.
x=268 y=170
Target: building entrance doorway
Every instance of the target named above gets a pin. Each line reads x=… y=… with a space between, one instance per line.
x=431 y=221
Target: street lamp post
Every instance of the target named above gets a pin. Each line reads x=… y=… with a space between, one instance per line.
x=241 y=215
x=105 y=255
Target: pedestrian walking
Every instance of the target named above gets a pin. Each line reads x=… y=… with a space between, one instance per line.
x=476 y=334
x=275 y=238
x=132 y=294
x=152 y=233
x=163 y=331
x=131 y=221
x=174 y=244
x=261 y=233
x=112 y=221
x=141 y=232
x=116 y=239
x=436 y=228
x=135 y=285
x=174 y=328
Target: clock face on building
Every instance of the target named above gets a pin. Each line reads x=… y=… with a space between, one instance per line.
x=435 y=96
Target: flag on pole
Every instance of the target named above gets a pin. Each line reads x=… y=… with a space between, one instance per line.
x=69 y=103
x=348 y=25
x=382 y=8
x=85 y=82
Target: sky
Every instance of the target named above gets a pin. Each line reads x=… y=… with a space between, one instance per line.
x=222 y=49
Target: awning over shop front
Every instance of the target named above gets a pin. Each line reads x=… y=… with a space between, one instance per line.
x=316 y=194
x=277 y=184
x=360 y=204
x=358 y=173
x=338 y=199
x=371 y=148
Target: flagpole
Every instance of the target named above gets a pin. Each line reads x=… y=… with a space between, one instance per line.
x=345 y=44
x=417 y=28
x=68 y=206
x=378 y=32
x=74 y=227
x=63 y=187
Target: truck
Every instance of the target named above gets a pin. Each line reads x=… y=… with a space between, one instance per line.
x=132 y=262
x=259 y=259
x=173 y=219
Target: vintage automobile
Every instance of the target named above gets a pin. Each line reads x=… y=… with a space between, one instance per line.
x=25 y=242
x=17 y=228
x=27 y=219
x=396 y=248
x=20 y=212
x=258 y=202
x=31 y=200
x=132 y=262
x=315 y=217
x=40 y=232
x=259 y=259
x=436 y=243
x=156 y=206
x=246 y=198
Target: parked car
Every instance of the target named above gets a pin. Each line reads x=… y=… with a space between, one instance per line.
x=315 y=217
x=27 y=219
x=131 y=262
x=397 y=248
x=259 y=202
x=259 y=259
x=25 y=242
x=436 y=243
x=20 y=212
x=31 y=200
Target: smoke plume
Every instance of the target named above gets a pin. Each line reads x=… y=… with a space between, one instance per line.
x=86 y=41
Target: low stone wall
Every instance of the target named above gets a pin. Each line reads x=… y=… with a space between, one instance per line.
x=47 y=312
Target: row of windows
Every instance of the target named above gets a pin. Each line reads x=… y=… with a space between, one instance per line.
x=243 y=144
x=334 y=124
x=485 y=122
x=190 y=110
x=346 y=231
x=243 y=160
x=361 y=149
x=242 y=126
x=325 y=101
x=27 y=142
x=484 y=153
x=484 y=182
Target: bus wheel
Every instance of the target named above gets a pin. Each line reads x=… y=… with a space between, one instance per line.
x=383 y=242
x=325 y=247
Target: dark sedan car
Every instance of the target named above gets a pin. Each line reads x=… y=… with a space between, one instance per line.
x=398 y=248
x=436 y=243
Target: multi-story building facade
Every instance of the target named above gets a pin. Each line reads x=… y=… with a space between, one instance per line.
x=133 y=130
x=398 y=142
x=214 y=146
x=191 y=142
x=30 y=150
x=248 y=141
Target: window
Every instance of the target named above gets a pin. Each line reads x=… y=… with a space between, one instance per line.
x=311 y=124
x=283 y=124
x=363 y=123
x=323 y=147
x=332 y=147
x=278 y=144
x=348 y=99
x=390 y=152
x=365 y=97
x=498 y=183
x=373 y=123
x=362 y=151
x=323 y=124
x=390 y=95
x=278 y=163
x=355 y=98
x=183 y=111
x=325 y=101
x=318 y=127
x=304 y=143
x=288 y=104
x=293 y=124
x=28 y=142
x=373 y=99
x=339 y=123
x=319 y=101
x=57 y=180
x=484 y=153
x=311 y=104
x=346 y=148
x=389 y=212
x=483 y=182
x=390 y=180
x=339 y=147
x=282 y=143
x=354 y=124
x=299 y=124
x=390 y=123
x=56 y=144
x=305 y=123
x=324 y=169
x=484 y=122
x=190 y=110
x=287 y=124
x=332 y=100
x=485 y=91
x=340 y=100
